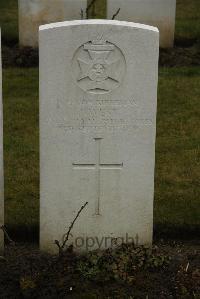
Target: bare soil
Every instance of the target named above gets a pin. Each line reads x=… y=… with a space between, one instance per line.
x=25 y=272
x=186 y=52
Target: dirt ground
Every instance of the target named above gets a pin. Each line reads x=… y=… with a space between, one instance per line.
x=185 y=53
x=171 y=270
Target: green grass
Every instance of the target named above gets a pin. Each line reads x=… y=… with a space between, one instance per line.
x=20 y=91
x=187 y=19
x=177 y=191
x=9 y=21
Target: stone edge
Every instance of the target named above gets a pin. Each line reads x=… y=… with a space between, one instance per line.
x=97 y=22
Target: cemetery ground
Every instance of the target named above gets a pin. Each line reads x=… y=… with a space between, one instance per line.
x=171 y=269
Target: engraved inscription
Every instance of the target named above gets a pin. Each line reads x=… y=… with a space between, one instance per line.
x=102 y=117
x=98 y=66
x=97 y=167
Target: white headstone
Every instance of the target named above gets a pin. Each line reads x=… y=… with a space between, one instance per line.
x=33 y=13
x=98 y=95
x=1 y=159
x=159 y=13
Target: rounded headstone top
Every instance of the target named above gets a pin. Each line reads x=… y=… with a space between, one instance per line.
x=97 y=22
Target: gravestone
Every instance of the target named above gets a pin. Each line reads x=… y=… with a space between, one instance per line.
x=1 y=159
x=98 y=95
x=158 y=13
x=33 y=13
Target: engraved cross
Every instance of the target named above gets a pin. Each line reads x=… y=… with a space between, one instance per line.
x=98 y=166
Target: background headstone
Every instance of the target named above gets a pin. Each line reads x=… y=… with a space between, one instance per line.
x=159 y=13
x=33 y=13
x=1 y=159
x=98 y=95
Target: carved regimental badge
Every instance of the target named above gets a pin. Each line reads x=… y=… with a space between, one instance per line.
x=99 y=67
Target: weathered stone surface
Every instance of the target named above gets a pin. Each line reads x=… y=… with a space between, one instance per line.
x=158 y=13
x=98 y=95
x=1 y=159
x=33 y=13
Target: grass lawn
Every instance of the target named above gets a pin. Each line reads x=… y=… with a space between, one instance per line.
x=177 y=188
x=187 y=19
x=21 y=154
x=177 y=191
x=9 y=21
